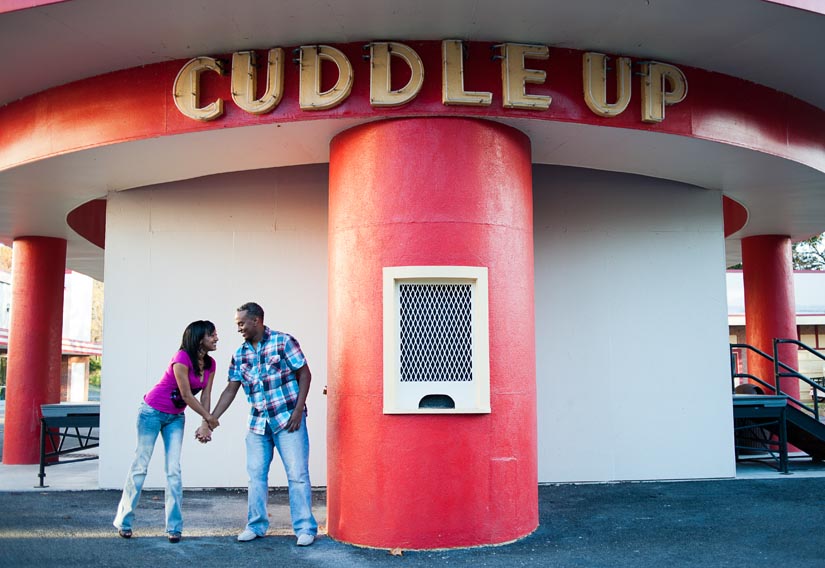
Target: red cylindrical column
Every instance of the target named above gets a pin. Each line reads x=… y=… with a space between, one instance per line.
x=430 y=192
x=35 y=332
x=770 y=306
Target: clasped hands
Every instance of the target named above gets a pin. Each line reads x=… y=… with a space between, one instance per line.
x=204 y=433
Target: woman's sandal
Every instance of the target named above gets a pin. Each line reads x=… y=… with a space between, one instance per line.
x=174 y=537
x=125 y=533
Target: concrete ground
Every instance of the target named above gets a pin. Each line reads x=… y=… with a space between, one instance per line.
x=759 y=519
x=747 y=523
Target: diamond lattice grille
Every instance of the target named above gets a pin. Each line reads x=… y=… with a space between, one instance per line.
x=436 y=332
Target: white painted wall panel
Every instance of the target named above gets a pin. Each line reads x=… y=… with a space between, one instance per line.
x=629 y=274
x=197 y=250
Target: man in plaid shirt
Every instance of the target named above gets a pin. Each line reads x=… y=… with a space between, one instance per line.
x=275 y=377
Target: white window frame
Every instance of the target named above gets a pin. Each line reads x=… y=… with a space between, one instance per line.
x=471 y=397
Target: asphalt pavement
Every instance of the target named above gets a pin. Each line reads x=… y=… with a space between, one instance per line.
x=760 y=518
x=720 y=523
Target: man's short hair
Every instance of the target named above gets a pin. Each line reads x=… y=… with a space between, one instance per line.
x=253 y=310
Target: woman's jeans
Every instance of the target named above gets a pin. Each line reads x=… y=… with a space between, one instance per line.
x=294 y=450
x=150 y=423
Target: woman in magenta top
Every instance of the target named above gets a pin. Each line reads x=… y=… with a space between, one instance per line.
x=191 y=371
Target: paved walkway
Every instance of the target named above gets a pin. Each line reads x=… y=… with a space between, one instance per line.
x=759 y=519
x=747 y=523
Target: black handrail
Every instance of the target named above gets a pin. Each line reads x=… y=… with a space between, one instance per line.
x=794 y=373
x=734 y=375
x=778 y=366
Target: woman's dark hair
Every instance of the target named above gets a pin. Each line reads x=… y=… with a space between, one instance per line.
x=191 y=343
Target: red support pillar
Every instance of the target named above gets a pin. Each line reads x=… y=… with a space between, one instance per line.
x=770 y=306
x=430 y=192
x=35 y=334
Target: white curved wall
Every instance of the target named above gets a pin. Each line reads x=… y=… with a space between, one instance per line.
x=631 y=327
x=198 y=250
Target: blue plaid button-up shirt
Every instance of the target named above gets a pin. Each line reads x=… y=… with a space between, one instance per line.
x=267 y=375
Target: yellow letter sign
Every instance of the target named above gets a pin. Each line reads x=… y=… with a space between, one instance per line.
x=595 y=84
x=310 y=96
x=381 y=93
x=656 y=77
x=514 y=76
x=187 y=89
x=452 y=80
x=245 y=81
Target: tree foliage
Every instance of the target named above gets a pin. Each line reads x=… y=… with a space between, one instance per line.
x=810 y=254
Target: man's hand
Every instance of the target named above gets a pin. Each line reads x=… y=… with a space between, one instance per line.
x=203 y=434
x=212 y=422
x=294 y=421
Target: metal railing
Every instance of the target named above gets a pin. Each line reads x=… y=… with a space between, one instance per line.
x=781 y=370
x=790 y=373
x=735 y=375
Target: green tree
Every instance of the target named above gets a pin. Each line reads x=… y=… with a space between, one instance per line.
x=809 y=254
x=94 y=371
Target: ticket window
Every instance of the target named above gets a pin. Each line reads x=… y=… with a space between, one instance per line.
x=436 y=344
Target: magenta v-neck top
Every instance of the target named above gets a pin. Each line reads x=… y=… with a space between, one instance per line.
x=165 y=395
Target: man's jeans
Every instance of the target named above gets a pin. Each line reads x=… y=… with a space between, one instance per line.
x=150 y=423
x=294 y=450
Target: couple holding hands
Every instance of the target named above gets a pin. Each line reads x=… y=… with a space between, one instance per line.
x=275 y=377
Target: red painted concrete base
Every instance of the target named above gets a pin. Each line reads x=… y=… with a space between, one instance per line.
x=421 y=192
x=33 y=374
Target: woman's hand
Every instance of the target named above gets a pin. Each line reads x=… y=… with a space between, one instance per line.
x=203 y=434
x=212 y=422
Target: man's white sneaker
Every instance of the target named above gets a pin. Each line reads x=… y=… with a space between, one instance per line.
x=247 y=535
x=305 y=539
